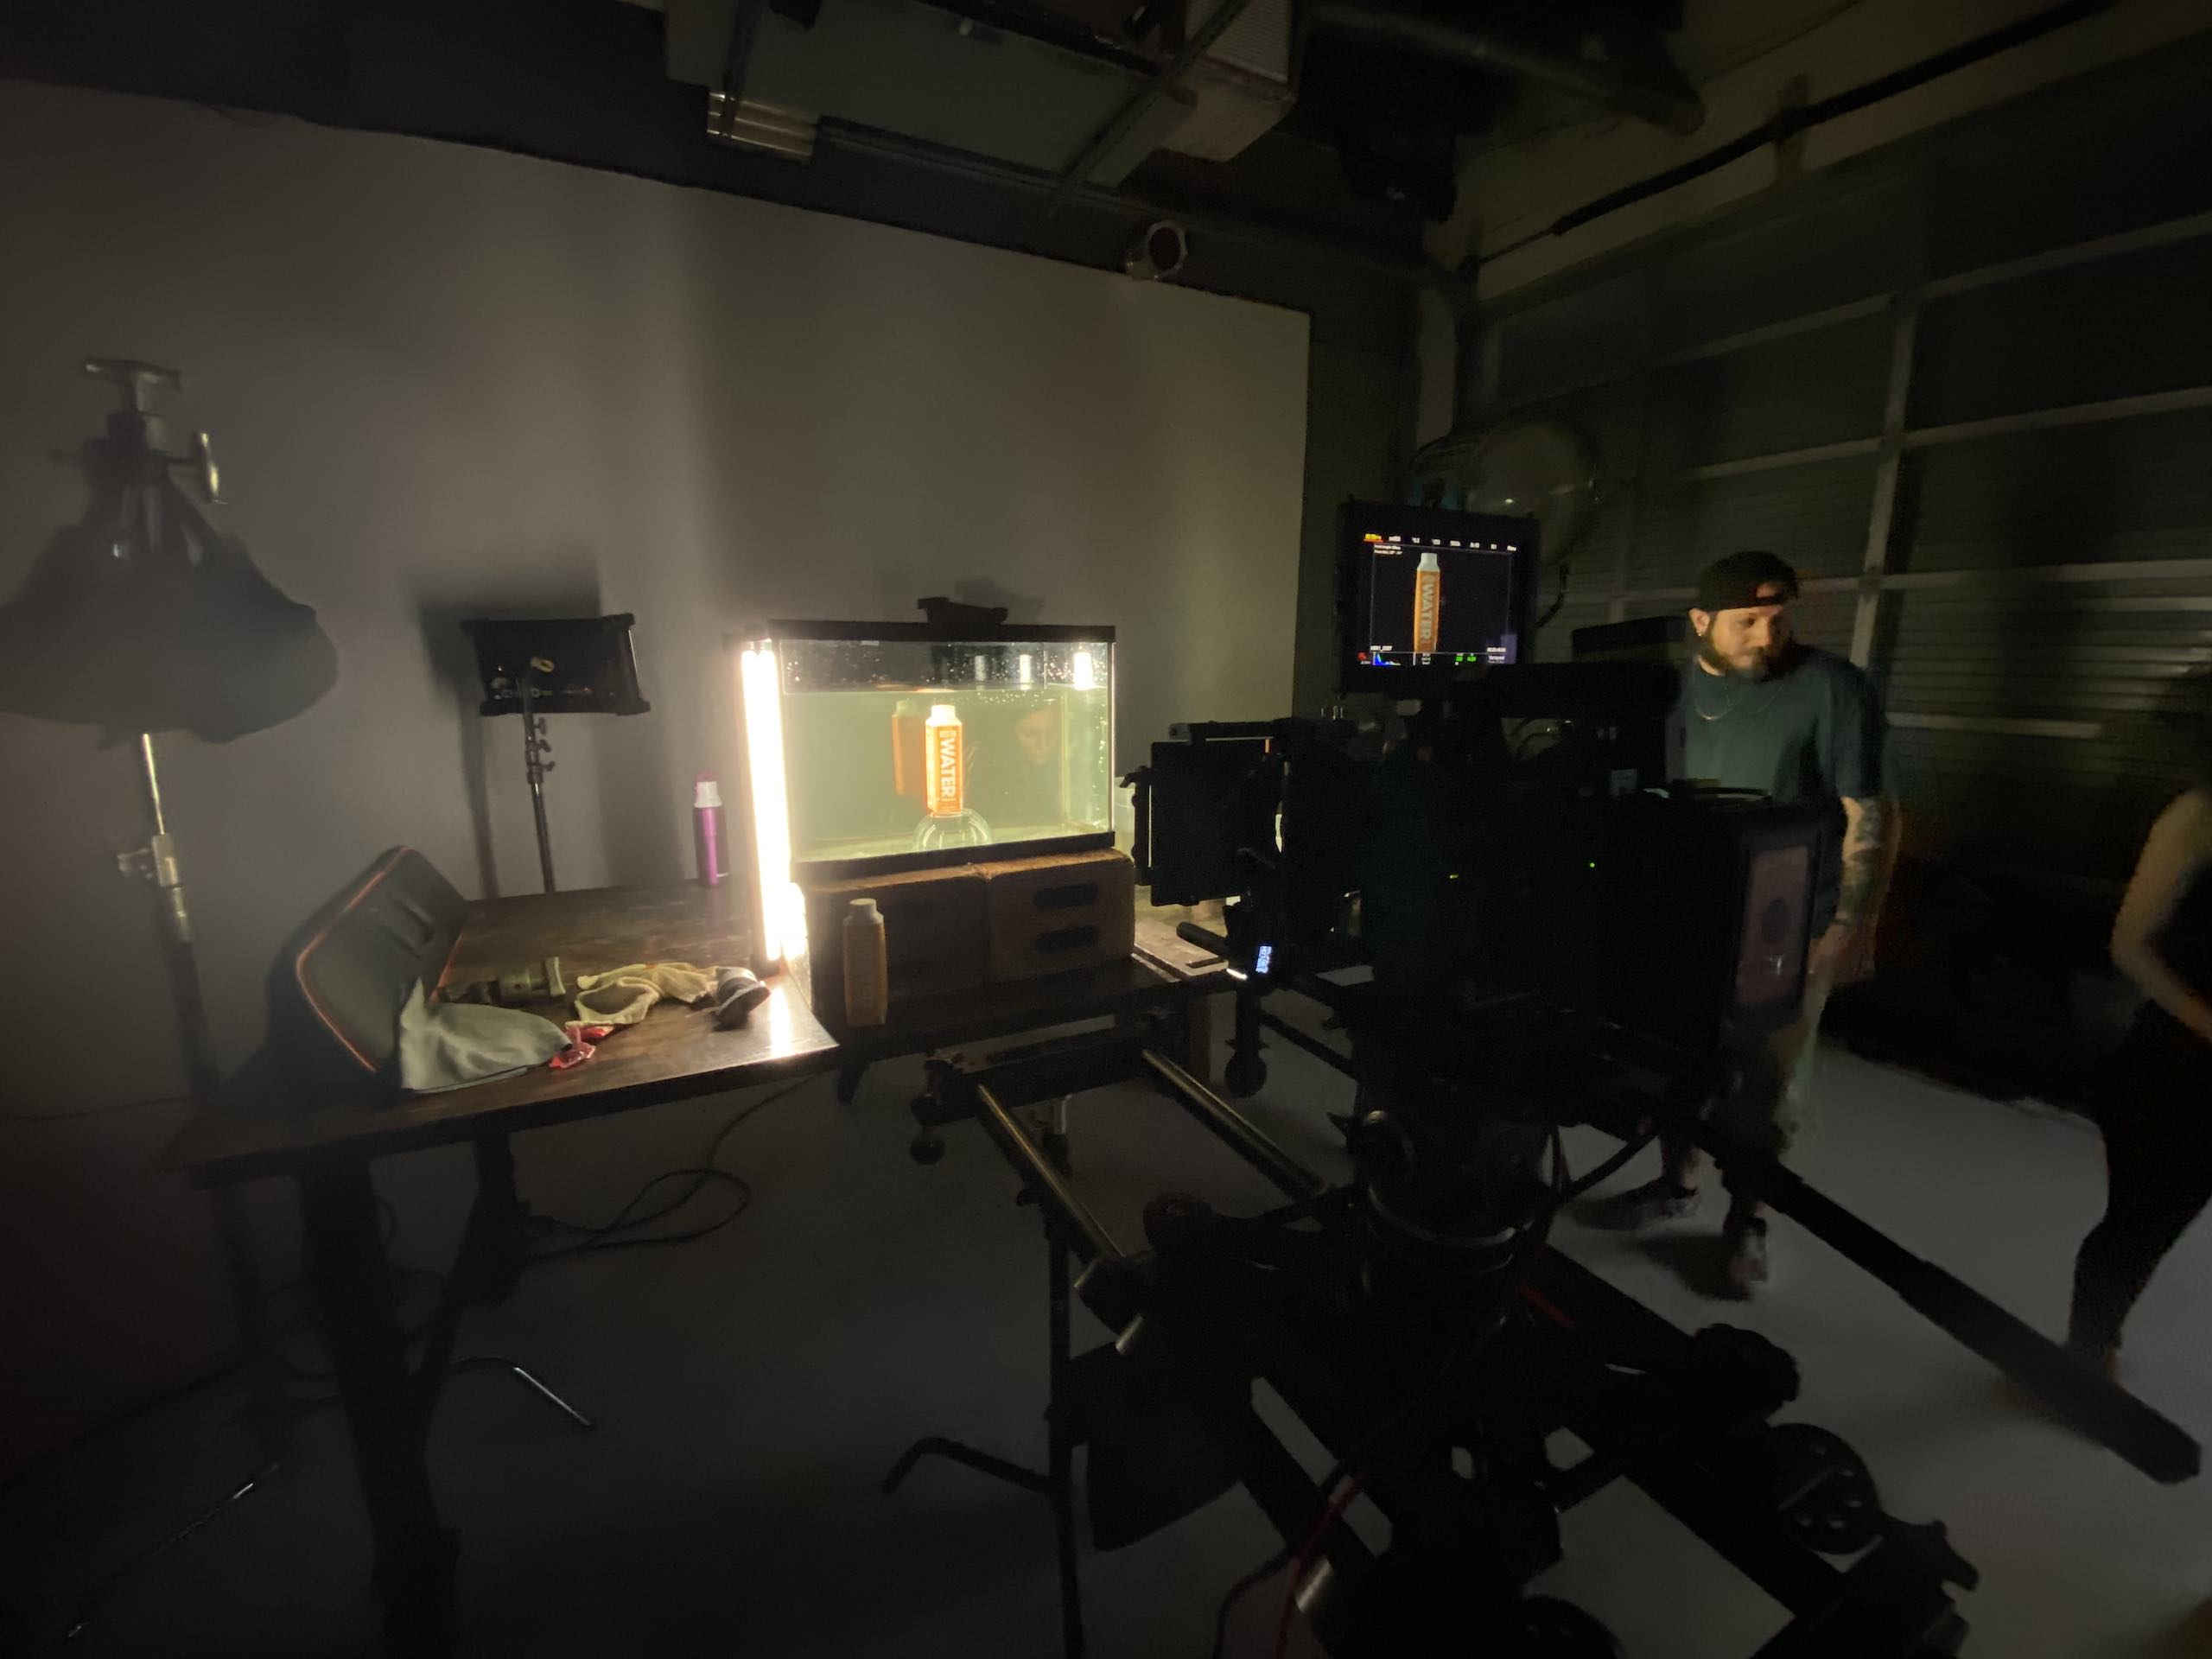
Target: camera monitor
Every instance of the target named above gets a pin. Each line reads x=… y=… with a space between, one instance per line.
x=1426 y=593
x=573 y=664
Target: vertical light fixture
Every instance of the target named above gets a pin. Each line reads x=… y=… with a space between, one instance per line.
x=760 y=713
x=1084 y=676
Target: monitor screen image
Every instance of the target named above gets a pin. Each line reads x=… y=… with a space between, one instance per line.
x=1432 y=589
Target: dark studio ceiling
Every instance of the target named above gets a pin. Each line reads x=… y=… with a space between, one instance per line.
x=1327 y=129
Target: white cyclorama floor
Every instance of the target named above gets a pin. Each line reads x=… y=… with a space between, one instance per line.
x=754 y=1388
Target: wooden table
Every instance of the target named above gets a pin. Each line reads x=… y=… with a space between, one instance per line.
x=264 y=1122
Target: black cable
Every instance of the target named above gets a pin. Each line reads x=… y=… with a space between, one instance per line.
x=592 y=1238
x=623 y=1221
x=94 y=1111
x=118 y=1420
x=1238 y=1592
x=616 y=1242
x=611 y=1235
x=1559 y=599
x=408 y=1336
x=1611 y=1165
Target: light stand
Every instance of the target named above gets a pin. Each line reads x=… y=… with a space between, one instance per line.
x=537 y=761
x=143 y=618
x=132 y=491
x=157 y=862
x=269 y=1414
x=536 y=666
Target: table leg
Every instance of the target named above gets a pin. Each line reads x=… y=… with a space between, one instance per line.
x=505 y=1253
x=351 y=1281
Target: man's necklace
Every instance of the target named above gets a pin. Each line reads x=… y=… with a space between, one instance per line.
x=1737 y=698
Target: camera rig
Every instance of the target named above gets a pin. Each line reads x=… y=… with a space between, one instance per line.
x=1519 y=924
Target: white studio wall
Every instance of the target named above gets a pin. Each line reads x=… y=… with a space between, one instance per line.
x=446 y=381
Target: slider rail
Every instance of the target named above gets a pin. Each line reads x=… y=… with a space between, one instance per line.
x=2098 y=1408
x=1096 y=1061
x=1313 y=1046
x=2091 y=1404
x=1899 y=1599
x=1076 y=1225
x=1243 y=1136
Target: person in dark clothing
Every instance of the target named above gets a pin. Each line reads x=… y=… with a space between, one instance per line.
x=1763 y=712
x=2157 y=1115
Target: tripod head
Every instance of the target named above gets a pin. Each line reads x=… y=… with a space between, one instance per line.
x=134 y=452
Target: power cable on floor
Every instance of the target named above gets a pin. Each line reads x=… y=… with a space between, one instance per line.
x=107 y=1111
x=622 y=1232
x=611 y=1236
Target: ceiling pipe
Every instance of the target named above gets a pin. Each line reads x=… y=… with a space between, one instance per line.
x=1786 y=123
x=1656 y=94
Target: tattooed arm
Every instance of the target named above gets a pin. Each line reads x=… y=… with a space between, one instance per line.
x=1870 y=827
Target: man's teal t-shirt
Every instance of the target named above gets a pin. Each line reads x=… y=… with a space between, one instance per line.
x=1810 y=734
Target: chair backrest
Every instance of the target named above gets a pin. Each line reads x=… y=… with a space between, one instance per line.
x=338 y=986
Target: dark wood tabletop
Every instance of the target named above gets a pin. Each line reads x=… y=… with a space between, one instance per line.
x=264 y=1121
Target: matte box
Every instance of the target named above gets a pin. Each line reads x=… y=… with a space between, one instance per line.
x=1069 y=910
x=933 y=932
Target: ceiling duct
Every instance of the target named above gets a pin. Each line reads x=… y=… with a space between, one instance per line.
x=977 y=84
x=1651 y=90
x=1241 y=87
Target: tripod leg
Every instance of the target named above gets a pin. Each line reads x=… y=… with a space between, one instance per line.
x=501 y=1363
x=94 y=1599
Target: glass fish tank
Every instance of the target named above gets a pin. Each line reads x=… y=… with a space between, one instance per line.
x=876 y=747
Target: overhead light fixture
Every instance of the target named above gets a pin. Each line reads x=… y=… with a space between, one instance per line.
x=769 y=129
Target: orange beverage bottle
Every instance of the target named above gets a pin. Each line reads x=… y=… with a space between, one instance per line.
x=1428 y=604
x=944 y=793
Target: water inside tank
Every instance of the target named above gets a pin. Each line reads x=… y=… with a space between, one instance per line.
x=899 y=747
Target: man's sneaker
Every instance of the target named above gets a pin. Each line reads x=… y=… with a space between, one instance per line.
x=1642 y=1206
x=1748 y=1267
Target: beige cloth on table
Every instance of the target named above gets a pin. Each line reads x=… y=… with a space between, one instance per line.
x=445 y=1045
x=622 y=997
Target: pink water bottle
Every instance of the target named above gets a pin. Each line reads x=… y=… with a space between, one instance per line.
x=707 y=831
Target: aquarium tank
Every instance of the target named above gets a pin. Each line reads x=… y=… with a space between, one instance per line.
x=888 y=746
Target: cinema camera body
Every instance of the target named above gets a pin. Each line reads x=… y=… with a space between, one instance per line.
x=1518 y=920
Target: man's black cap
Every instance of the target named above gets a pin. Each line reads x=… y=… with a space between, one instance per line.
x=1732 y=583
